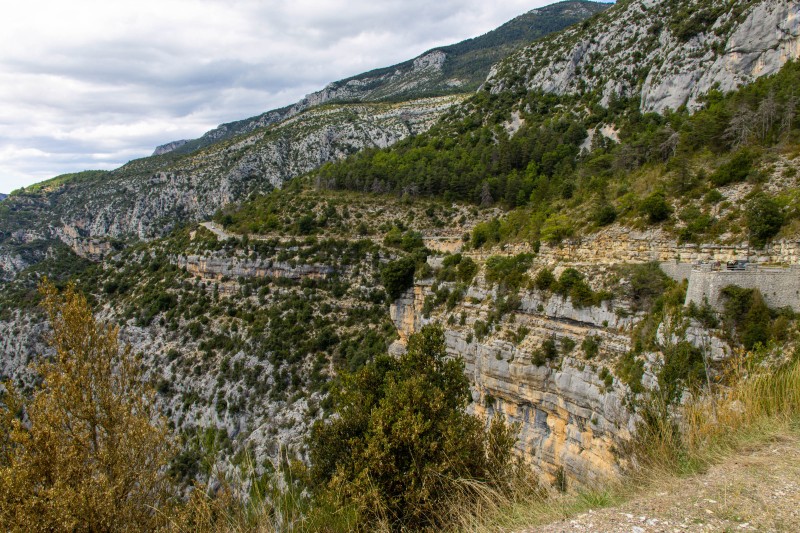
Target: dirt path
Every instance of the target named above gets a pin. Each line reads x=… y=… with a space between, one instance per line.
x=757 y=490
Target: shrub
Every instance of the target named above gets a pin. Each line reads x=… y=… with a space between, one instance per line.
x=92 y=451
x=647 y=283
x=764 y=219
x=746 y=313
x=507 y=271
x=656 y=208
x=568 y=279
x=397 y=276
x=605 y=215
x=630 y=370
x=467 y=269
x=713 y=197
x=486 y=233
x=546 y=352
x=567 y=345
x=591 y=346
x=557 y=228
x=402 y=436
x=735 y=170
x=683 y=365
x=545 y=280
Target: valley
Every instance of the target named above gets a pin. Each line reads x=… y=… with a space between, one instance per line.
x=605 y=230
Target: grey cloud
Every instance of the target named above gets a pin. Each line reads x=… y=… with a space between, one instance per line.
x=152 y=71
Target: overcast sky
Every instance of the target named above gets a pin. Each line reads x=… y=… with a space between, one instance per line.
x=91 y=84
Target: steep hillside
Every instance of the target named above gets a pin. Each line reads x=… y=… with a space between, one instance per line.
x=93 y=211
x=455 y=69
x=148 y=197
x=571 y=240
x=667 y=53
x=242 y=335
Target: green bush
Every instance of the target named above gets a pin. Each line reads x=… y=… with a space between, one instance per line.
x=591 y=346
x=486 y=233
x=656 y=208
x=397 y=276
x=545 y=280
x=746 y=314
x=630 y=370
x=764 y=219
x=467 y=269
x=402 y=438
x=557 y=228
x=683 y=365
x=546 y=352
x=647 y=283
x=605 y=215
x=509 y=272
x=734 y=171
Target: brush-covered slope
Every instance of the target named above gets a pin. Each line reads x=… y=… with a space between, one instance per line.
x=148 y=197
x=454 y=69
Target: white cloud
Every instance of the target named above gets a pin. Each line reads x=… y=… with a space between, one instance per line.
x=93 y=83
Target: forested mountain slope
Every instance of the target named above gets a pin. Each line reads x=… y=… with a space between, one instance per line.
x=549 y=230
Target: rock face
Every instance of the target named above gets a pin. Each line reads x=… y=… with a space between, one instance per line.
x=169 y=147
x=667 y=53
x=222 y=267
x=571 y=419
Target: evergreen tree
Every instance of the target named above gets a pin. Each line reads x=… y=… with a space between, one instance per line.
x=401 y=436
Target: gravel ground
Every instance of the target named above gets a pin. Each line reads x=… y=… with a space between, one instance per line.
x=756 y=490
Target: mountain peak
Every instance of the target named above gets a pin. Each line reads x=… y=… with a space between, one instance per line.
x=451 y=69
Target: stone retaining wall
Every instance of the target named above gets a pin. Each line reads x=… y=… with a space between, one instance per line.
x=780 y=287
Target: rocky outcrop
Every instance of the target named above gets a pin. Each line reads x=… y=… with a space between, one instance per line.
x=619 y=244
x=217 y=268
x=169 y=147
x=668 y=53
x=571 y=418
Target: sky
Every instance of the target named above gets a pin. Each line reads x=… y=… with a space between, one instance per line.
x=92 y=84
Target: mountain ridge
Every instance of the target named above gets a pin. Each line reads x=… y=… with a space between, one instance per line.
x=667 y=53
x=441 y=71
x=148 y=197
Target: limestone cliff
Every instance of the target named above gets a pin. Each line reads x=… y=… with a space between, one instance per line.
x=664 y=52
x=576 y=414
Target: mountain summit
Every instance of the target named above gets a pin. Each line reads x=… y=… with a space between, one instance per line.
x=454 y=69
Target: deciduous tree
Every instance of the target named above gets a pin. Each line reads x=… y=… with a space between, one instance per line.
x=87 y=451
